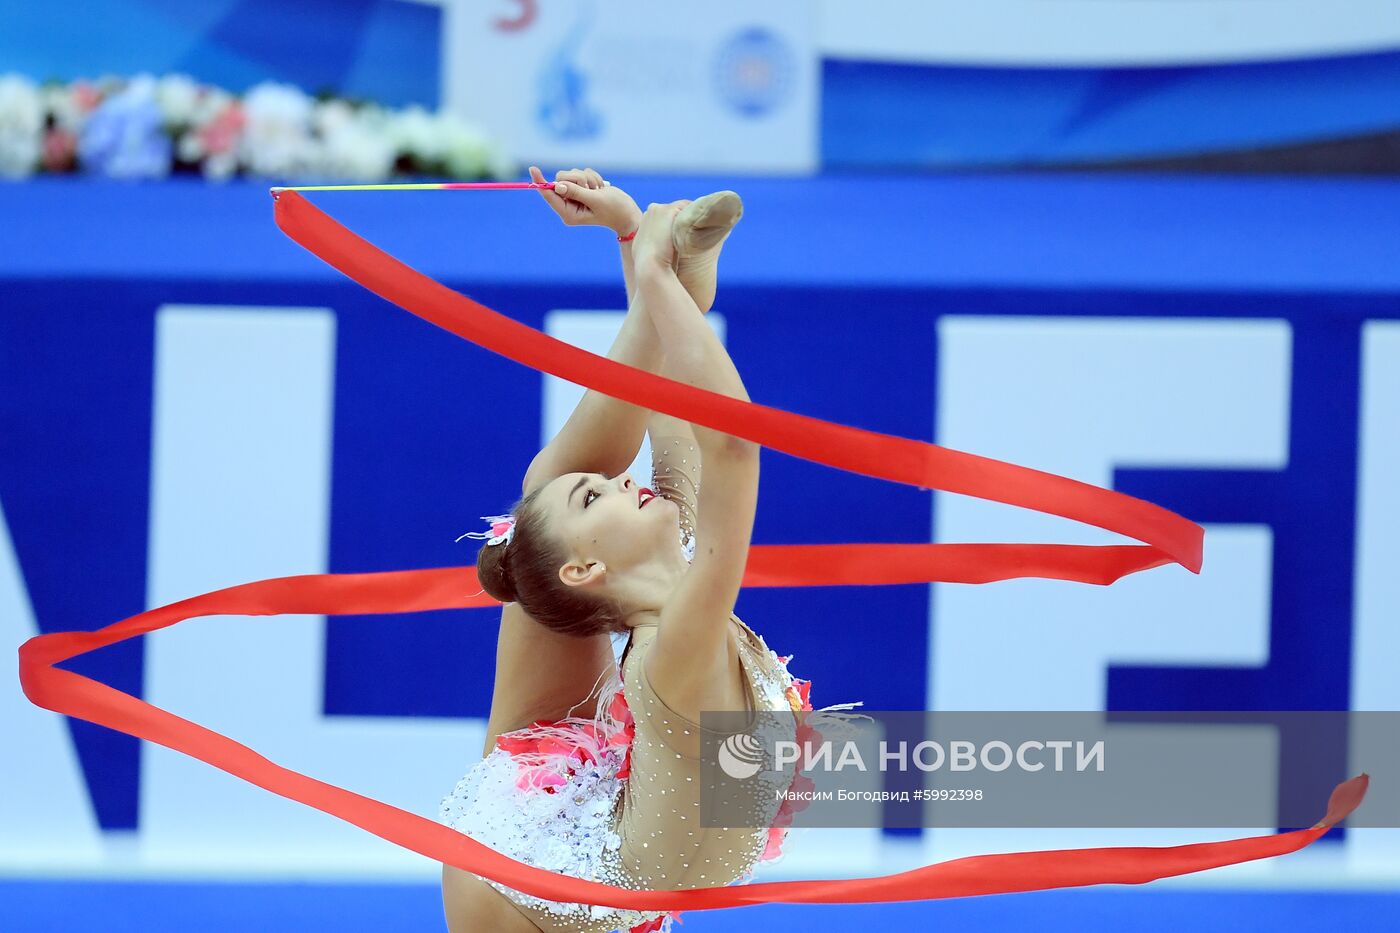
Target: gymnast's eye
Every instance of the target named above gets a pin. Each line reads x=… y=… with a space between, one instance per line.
x=587 y=500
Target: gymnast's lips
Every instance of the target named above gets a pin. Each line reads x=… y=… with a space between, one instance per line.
x=644 y=496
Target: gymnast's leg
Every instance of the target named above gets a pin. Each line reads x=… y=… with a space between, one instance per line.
x=683 y=657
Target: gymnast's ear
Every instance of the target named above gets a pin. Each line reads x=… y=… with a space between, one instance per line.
x=578 y=573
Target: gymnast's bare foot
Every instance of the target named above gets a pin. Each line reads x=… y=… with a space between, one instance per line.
x=698 y=233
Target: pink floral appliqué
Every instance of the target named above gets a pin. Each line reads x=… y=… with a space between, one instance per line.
x=798 y=697
x=549 y=753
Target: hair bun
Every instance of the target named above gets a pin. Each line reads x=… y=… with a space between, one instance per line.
x=493 y=571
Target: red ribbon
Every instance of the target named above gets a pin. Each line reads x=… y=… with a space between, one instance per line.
x=1168 y=538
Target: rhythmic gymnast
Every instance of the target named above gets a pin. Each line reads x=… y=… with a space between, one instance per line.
x=588 y=552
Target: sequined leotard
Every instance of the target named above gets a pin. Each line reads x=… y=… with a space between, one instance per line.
x=631 y=819
x=621 y=803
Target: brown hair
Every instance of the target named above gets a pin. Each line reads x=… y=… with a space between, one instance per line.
x=525 y=570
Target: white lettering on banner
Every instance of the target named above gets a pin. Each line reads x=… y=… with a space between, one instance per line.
x=1059 y=745
x=961 y=757
x=46 y=813
x=899 y=752
x=1003 y=762
x=929 y=755
x=874 y=796
x=1080 y=396
x=1376 y=632
x=241 y=491
x=921 y=756
x=1094 y=756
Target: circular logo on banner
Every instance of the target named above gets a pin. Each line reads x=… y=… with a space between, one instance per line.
x=754 y=71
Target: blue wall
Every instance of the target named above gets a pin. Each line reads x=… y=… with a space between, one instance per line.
x=885 y=115
x=385 y=50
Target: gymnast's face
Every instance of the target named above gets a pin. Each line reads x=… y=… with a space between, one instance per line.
x=608 y=526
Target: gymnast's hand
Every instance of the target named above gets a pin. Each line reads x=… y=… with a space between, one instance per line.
x=582 y=198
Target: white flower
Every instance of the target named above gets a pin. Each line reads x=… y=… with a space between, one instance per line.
x=460 y=147
x=220 y=166
x=375 y=119
x=21 y=126
x=277 y=140
x=209 y=104
x=354 y=153
x=188 y=147
x=414 y=132
x=178 y=96
x=331 y=115
x=130 y=127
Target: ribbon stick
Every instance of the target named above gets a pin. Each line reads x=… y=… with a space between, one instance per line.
x=1166 y=537
x=428 y=186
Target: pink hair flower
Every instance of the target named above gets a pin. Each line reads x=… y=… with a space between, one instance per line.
x=502 y=530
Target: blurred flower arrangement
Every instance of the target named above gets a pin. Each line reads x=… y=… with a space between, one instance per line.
x=148 y=127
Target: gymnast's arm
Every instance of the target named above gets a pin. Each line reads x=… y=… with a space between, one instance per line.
x=603 y=434
x=675 y=461
x=541 y=674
